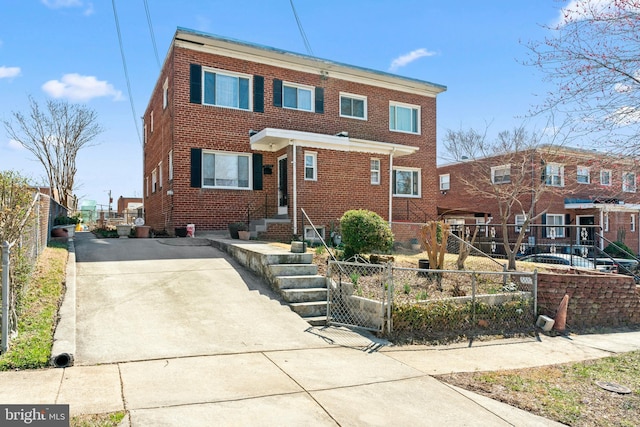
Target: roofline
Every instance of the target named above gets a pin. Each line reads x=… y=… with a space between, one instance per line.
x=211 y=43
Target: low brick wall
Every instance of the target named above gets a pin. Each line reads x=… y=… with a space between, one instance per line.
x=594 y=299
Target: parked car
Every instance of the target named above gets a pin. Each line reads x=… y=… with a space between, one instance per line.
x=564 y=259
x=629 y=267
x=607 y=263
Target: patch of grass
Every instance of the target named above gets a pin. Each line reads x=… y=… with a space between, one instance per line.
x=566 y=393
x=111 y=419
x=37 y=312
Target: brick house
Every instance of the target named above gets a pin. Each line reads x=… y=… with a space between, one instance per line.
x=236 y=131
x=582 y=188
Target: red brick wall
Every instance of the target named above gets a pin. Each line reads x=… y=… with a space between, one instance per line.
x=594 y=299
x=343 y=177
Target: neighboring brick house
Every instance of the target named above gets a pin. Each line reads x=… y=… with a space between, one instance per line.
x=583 y=188
x=129 y=208
x=237 y=131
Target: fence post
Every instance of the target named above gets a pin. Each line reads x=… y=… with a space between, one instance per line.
x=6 y=249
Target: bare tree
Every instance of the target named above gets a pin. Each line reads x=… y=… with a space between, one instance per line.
x=55 y=135
x=514 y=187
x=592 y=56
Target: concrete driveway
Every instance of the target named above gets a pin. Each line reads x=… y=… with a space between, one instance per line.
x=142 y=299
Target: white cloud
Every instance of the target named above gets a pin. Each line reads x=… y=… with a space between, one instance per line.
x=408 y=58
x=15 y=145
x=625 y=116
x=578 y=10
x=57 y=4
x=80 y=88
x=8 y=72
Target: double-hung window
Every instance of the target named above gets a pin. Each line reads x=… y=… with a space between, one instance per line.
x=404 y=118
x=406 y=182
x=310 y=166
x=519 y=219
x=445 y=182
x=375 y=171
x=554 y=175
x=633 y=222
x=226 y=89
x=154 y=180
x=605 y=177
x=225 y=170
x=555 y=232
x=165 y=93
x=170 y=177
x=297 y=97
x=583 y=175
x=353 y=106
x=501 y=174
x=629 y=182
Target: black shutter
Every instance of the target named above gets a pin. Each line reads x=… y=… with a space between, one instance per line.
x=195 y=84
x=277 y=93
x=567 y=221
x=543 y=220
x=258 y=94
x=319 y=100
x=196 y=167
x=257 y=171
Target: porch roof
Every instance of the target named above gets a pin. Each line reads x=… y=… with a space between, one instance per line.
x=272 y=139
x=610 y=205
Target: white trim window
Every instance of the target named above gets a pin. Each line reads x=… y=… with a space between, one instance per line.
x=226 y=89
x=297 y=97
x=170 y=165
x=310 y=234
x=145 y=137
x=146 y=185
x=353 y=106
x=501 y=174
x=165 y=93
x=151 y=119
x=154 y=180
x=310 y=166
x=445 y=182
x=558 y=220
x=583 y=175
x=605 y=226
x=629 y=182
x=605 y=177
x=554 y=173
x=404 y=118
x=519 y=220
x=633 y=222
x=406 y=182
x=160 y=175
x=226 y=170
x=375 y=171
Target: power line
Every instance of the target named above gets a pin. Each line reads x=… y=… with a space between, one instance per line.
x=302 y=33
x=153 y=37
x=126 y=72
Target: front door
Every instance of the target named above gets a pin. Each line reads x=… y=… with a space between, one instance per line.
x=283 y=185
x=586 y=235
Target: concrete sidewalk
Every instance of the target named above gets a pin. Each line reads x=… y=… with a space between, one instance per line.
x=285 y=374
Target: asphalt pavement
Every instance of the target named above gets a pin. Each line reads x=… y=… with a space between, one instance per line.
x=177 y=333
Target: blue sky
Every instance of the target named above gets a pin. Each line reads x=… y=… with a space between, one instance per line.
x=69 y=49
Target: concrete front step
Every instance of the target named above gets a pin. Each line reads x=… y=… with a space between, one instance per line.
x=305 y=295
x=300 y=282
x=316 y=320
x=310 y=309
x=294 y=269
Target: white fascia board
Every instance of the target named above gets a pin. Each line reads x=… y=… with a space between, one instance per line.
x=609 y=207
x=271 y=139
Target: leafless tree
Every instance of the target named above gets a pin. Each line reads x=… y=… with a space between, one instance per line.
x=55 y=135
x=592 y=58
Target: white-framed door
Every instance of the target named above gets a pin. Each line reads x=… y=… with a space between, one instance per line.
x=283 y=185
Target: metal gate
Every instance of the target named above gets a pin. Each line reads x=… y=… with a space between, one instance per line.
x=358 y=295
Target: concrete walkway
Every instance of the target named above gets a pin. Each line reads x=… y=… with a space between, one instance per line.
x=183 y=336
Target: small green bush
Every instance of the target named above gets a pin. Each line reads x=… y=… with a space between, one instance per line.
x=364 y=231
x=619 y=250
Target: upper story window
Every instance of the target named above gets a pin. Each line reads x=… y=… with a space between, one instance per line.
x=554 y=173
x=605 y=177
x=629 y=182
x=160 y=175
x=226 y=89
x=310 y=166
x=165 y=93
x=404 y=118
x=501 y=174
x=154 y=180
x=445 y=182
x=375 y=171
x=353 y=106
x=406 y=182
x=583 y=175
x=225 y=170
x=297 y=97
x=170 y=165
x=151 y=120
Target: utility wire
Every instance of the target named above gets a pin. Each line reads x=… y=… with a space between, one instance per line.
x=304 y=36
x=126 y=72
x=153 y=37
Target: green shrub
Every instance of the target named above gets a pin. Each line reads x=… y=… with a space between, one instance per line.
x=364 y=231
x=619 y=250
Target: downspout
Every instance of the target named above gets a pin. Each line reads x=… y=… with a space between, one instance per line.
x=295 y=188
x=391 y=187
x=601 y=229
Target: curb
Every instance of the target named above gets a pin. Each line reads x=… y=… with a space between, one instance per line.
x=64 y=339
